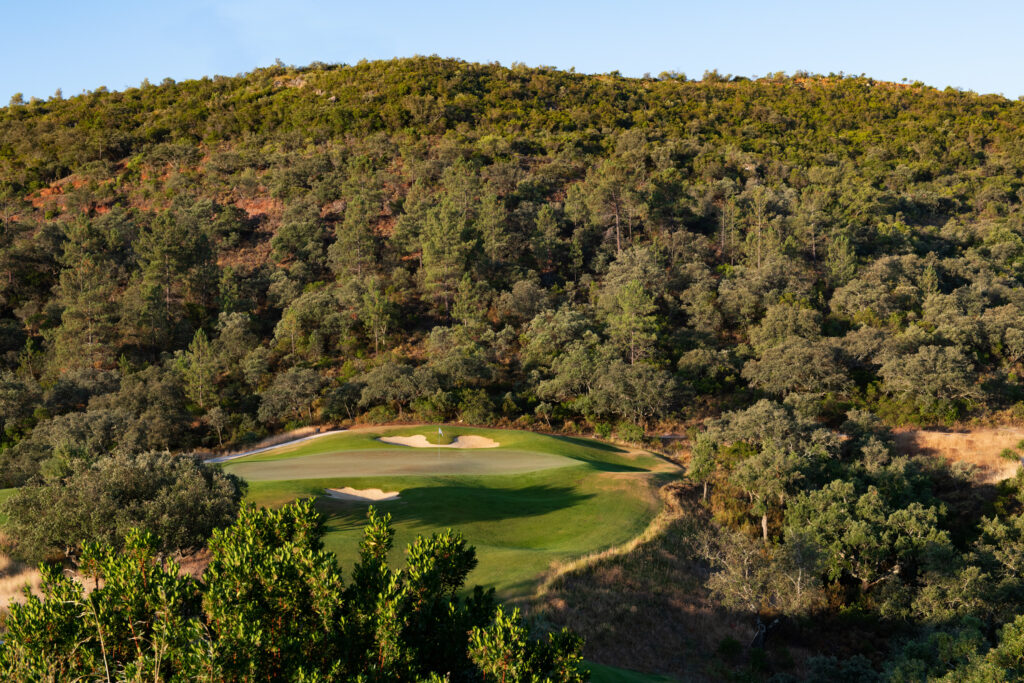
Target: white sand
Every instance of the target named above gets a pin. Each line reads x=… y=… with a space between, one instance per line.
x=420 y=441
x=362 y=495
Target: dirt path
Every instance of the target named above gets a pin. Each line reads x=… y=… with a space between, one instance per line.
x=225 y=458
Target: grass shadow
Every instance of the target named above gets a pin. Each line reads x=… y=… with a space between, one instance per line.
x=454 y=505
x=589 y=443
x=602 y=466
x=660 y=479
x=619 y=462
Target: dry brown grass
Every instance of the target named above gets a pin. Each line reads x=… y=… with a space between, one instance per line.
x=670 y=512
x=643 y=605
x=979 y=447
x=194 y=564
x=14 y=577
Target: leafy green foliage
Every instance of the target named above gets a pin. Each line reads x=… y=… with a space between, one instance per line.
x=504 y=651
x=176 y=498
x=826 y=243
x=860 y=530
x=196 y=263
x=272 y=606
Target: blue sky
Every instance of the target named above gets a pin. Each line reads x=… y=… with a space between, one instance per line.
x=79 y=45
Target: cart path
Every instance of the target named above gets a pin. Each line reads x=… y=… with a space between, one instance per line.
x=233 y=456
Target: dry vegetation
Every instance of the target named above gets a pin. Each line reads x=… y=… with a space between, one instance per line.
x=644 y=606
x=979 y=447
x=273 y=440
x=14 y=576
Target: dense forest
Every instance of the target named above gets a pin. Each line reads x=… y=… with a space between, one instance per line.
x=224 y=257
x=785 y=267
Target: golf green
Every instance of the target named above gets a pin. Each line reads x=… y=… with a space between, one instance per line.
x=530 y=503
x=398 y=461
x=4 y=495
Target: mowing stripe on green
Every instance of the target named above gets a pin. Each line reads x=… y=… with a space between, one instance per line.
x=398 y=462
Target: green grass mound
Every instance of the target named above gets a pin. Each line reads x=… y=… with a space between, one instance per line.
x=533 y=501
x=586 y=450
x=362 y=454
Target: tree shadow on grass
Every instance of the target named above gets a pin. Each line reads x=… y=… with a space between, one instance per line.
x=453 y=506
x=589 y=443
x=602 y=466
x=619 y=464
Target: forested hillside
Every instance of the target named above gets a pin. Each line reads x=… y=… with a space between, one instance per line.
x=217 y=258
x=804 y=261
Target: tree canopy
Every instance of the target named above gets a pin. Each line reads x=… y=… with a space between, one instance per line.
x=272 y=606
x=227 y=253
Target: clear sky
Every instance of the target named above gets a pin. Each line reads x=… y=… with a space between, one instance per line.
x=77 y=45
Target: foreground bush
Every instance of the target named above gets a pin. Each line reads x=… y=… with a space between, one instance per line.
x=176 y=498
x=273 y=606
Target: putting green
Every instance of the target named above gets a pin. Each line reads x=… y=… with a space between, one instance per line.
x=532 y=502
x=397 y=461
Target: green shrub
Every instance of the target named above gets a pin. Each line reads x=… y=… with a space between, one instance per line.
x=437 y=407
x=380 y=415
x=273 y=601
x=475 y=407
x=248 y=430
x=730 y=649
x=628 y=431
x=174 y=496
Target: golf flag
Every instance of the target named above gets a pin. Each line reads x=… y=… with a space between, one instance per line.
x=440 y=433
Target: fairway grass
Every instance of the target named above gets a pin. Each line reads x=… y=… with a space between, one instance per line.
x=600 y=673
x=532 y=502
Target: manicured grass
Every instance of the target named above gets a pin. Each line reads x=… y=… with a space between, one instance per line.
x=600 y=673
x=396 y=461
x=586 y=450
x=443 y=438
x=580 y=496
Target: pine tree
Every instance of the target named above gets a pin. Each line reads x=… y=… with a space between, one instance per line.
x=199 y=369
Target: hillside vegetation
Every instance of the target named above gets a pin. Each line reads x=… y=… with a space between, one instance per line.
x=804 y=262
x=462 y=241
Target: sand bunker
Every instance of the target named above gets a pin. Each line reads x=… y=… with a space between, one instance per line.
x=362 y=495
x=420 y=441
